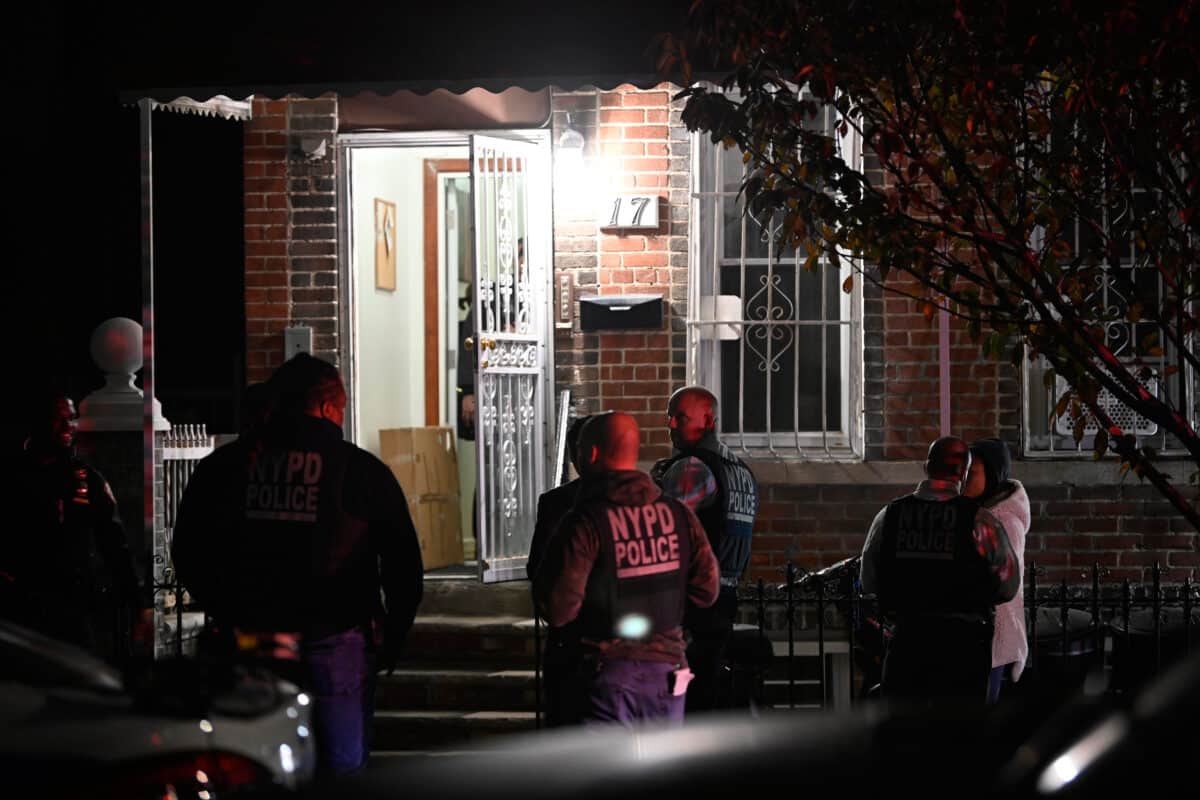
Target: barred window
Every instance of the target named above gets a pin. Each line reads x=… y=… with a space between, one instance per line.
x=1117 y=283
x=779 y=345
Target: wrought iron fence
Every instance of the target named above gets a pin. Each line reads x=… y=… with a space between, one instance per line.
x=1131 y=631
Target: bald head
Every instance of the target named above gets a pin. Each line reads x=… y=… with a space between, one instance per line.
x=949 y=459
x=609 y=442
x=691 y=415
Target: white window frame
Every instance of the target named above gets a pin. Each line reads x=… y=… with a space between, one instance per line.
x=707 y=320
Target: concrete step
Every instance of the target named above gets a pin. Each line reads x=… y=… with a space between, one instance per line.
x=436 y=730
x=420 y=688
x=459 y=592
x=500 y=641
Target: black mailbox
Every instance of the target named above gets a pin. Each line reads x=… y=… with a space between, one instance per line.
x=624 y=312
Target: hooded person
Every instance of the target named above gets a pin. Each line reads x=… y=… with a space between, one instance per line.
x=990 y=483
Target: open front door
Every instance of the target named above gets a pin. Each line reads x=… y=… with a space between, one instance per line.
x=511 y=189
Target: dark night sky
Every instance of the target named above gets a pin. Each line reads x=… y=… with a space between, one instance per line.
x=74 y=240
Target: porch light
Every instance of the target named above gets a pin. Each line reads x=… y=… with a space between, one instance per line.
x=570 y=141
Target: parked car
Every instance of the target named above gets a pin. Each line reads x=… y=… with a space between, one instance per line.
x=1095 y=744
x=73 y=726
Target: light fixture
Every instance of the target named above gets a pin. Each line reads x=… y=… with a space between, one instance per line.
x=570 y=140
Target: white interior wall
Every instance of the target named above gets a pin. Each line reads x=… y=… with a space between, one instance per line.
x=390 y=325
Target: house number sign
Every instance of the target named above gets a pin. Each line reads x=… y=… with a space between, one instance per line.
x=633 y=211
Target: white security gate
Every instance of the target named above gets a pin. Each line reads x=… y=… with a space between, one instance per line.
x=511 y=191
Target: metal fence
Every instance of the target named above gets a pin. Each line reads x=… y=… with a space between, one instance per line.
x=1129 y=631
x=174 y=624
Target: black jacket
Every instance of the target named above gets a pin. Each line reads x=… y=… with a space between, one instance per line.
x=552 y=508
x=64 y=549
x=298 y=530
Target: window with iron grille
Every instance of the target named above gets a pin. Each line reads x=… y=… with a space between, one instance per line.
x=780 y=345
x=1116 y=284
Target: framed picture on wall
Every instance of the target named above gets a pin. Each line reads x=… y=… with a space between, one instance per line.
x=385 y=244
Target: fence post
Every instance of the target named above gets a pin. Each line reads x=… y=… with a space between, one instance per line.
x=762 y=631
x=1097 y=638
x=1187 y=615
x=791 y=634
x=853 y=621
x=1125 y=599
x=1033 y=620
x=1065 y=617
x=821 y=638
x=537 y=670
x=1156 y=604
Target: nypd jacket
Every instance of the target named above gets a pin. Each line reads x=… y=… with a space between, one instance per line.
x=298 y=530
x=624 y=563
x=723 y=492
x=934 y=551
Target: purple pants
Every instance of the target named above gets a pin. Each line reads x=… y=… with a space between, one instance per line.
x=626 y=692
x=341 y=672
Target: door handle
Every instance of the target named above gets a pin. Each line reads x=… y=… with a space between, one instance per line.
x=469 y=344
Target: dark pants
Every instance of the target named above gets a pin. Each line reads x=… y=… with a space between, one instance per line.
x=560 y=680
x=939 y=660
x=626 y=692
x=995 y=680
x=710 y=629
x=341 y=671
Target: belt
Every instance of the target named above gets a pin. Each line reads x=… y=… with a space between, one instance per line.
x=731 y=583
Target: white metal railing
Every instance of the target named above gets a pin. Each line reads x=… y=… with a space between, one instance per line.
x=183 y=447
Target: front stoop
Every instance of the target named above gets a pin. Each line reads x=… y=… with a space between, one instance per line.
x=466 y=675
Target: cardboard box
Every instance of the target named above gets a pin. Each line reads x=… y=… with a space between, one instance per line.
x=423 y=460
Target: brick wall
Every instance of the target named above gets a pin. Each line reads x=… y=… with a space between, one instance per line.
x=291 y=231
x=1123 y=528
x=635 y=143
x=985 y=393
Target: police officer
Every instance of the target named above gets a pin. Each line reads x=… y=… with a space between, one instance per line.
x=293 y=530
x=624 y=564
x=713 y=482
x=562 y=645
x=65 y=565
x=939 y=563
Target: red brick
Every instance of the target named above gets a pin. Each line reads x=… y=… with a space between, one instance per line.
x=267 y=123
x=645 y=164
x=645 y=132
x=266 y=310
x=266 y=249
x=646 y=99
x=630 y=404
x=645 y=260
x=266 y=218
x=650 y=180
x=627 y=244
x=647 y=356
x=622 y=115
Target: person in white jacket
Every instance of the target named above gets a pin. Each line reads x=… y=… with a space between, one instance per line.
x=989 y=482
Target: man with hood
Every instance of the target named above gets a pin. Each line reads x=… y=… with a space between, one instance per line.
x=623 y=565
x=989 y=483
x=292 y=530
